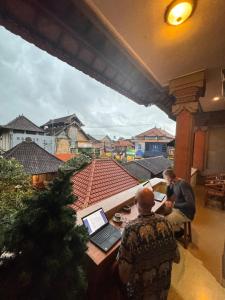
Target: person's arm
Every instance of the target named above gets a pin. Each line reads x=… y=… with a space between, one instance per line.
x=125 y=258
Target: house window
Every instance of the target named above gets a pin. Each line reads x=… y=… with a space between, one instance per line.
x=18 y=131
x=139 y=146
x=18 y=138
x=155 y=147
x=164 y=148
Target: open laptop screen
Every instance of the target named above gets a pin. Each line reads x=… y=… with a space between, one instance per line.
x=95 y=221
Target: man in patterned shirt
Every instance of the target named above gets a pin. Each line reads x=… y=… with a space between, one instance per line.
x=147 y=251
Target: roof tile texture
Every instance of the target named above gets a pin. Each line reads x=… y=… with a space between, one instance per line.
x=22 y=123
x=156 y=132
x=35 y=159
x=102 y=179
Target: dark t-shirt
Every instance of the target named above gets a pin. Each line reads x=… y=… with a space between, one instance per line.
x=184 y=197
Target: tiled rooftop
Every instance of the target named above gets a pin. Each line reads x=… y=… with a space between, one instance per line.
x=35 y=159
x=155 y=132
x=103 y=178
x=123 y=143
x=22 y=123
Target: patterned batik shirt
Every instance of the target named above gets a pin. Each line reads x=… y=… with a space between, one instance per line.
x=147 y=251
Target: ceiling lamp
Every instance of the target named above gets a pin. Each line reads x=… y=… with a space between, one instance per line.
x=216 y=98
x=179 y=11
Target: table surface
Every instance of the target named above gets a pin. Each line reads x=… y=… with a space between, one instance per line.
x=97 y=255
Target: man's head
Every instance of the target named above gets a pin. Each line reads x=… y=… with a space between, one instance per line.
x=145 y=200
x=169 y=175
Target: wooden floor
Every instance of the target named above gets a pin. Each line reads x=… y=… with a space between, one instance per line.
x=198 y=275
x=208 y=234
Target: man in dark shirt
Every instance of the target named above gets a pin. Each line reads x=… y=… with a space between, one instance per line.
x=181 y=200
x=147 y=251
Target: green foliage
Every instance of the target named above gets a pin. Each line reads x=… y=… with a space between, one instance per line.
x=15 y=185
x=77 y=163
x=48 y=247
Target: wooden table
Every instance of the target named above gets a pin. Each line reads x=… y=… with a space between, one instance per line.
x=100 y=263
x=97 y=255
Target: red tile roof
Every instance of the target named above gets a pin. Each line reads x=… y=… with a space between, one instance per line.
x=66 y=156
x=156 y=132
x=123 y=143
x=101 y=179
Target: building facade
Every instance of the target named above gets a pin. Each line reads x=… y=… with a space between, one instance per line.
x=153 y=142
x=21 y=128
x=68 y=134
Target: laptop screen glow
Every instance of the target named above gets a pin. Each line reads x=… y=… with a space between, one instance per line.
x=95 y=221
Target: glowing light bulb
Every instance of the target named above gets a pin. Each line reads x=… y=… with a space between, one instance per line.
x=178 y=12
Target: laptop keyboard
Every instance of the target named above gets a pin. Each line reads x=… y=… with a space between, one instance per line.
x=103 y=235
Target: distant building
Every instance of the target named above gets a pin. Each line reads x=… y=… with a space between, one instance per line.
x=147 y=168
x=69 y=136
x=37 y=162
x=123 y=145
x=97 y=146
x=107 y=143
x=101 y=179
x=21 y=128
x=153 y=143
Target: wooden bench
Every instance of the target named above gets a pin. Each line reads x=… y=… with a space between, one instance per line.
x=215 y=189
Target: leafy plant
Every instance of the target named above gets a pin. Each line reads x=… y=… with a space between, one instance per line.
x=15 y=185
x=47 y=247
x=77 y=163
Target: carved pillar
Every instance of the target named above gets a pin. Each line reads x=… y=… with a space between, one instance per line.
x=199 y=147
x=187 y=91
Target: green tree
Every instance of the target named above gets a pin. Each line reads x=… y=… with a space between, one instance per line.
x=15 y=185
x=48 y=247
x=79 y=162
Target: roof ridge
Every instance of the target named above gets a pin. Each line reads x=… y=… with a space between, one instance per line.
x=87 y=197
x=49 y=154
x=24 y=117
x=11 y=151
x=31 y=122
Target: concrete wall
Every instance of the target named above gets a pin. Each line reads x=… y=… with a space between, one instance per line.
x=9 y=140
x=215 y=151
x=44 y=141
x=5 y=141
x=62 y=145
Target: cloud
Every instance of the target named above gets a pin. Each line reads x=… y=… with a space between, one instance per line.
x=42 y=87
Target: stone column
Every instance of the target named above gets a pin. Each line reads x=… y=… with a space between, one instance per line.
x=187 y=90
x=199 y=148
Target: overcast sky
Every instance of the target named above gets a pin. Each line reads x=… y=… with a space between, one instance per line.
x=42 y=87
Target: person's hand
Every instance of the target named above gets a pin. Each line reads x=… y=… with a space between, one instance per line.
x=169 y=204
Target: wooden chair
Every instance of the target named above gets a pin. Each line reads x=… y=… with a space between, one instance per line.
x=215 y=189
x=186 y=237
x=187 y=234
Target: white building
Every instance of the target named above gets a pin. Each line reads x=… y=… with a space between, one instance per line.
x=21 y=128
